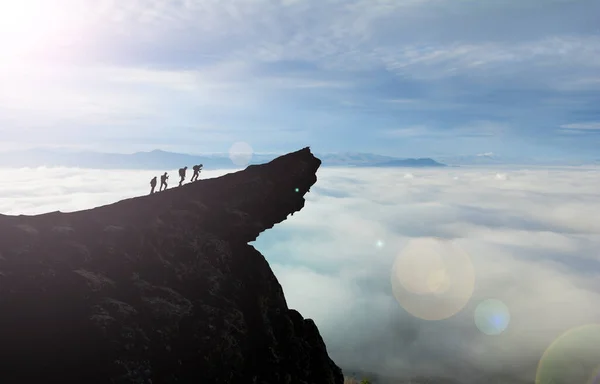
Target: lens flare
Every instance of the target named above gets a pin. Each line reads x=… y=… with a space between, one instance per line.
x=595 y=379
x=492 y=317
x=572 y=358
x=432 y=279
x=240 y=153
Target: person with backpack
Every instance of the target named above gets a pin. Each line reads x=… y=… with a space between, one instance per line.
x=153 y=184
x=196 y=169
x=182 y=174
x=163 y=181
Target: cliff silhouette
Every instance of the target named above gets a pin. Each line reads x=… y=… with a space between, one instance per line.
x=162 y=288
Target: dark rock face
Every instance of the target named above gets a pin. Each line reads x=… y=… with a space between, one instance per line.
x=159 y=289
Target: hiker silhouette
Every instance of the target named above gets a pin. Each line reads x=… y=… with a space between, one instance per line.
x=182 y=174
x=196 y=169
x=163 y=181
x=153 y=184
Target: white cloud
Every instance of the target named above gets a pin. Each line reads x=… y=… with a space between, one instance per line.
x=532 y=239
x=74 y=100
x=348 y=35
x=39 y=190
x=571 y=132
x=593 y=125
x=481 y=59
x=474 y=128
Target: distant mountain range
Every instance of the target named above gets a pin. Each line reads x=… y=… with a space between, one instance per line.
x=159 y=159
x=489 y=159
x=352 y=159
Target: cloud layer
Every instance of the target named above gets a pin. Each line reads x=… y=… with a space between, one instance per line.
x=30 y=191
x=532 y=242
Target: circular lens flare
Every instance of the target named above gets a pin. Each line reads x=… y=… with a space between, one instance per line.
x=595 y=379
x=432 y=278
x=572 y=358
x=492 y=317
x=240 y=153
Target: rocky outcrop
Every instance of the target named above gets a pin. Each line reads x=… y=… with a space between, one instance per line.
x=159 y=289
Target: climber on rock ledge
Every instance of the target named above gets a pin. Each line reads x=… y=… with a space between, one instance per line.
x=153 y=184
x=163 y=181
x=182 y=174
x=196 y=169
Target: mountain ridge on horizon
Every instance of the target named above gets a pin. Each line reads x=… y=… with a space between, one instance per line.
x=160 y=158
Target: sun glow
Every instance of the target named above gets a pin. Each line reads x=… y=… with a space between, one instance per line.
x=34 y=26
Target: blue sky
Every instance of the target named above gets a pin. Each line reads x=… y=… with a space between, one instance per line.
x=402 y=77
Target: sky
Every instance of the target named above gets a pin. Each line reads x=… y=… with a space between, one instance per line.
x=395 y=77
x=462 y=273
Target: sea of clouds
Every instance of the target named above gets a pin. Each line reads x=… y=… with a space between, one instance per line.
x=517 y=251
x=38 y=190
x=463 y=273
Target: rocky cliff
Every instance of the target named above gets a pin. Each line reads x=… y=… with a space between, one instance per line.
x=159 y=289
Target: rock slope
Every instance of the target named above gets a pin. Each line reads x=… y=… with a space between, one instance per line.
x=161 y=288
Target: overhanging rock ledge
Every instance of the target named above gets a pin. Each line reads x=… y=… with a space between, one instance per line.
x=161 y=288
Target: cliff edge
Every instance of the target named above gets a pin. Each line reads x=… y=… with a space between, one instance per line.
x=159 y=289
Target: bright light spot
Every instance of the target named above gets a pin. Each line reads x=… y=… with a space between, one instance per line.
x=240 y=153
x=297 y=190
x=501 y=176
x=409 y=176
x=438 y=281
x=492 y=317
x=572 y=358
x=379 y=244
x=32 y=26
x=432 y=278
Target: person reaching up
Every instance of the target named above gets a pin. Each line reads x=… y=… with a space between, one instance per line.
x=163 y=181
